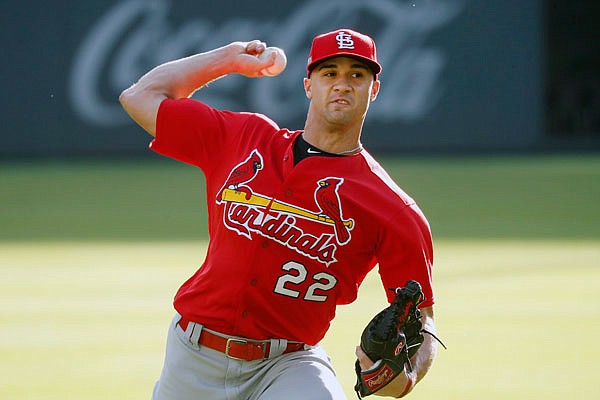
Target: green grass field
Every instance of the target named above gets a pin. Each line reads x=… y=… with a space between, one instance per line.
x=91 y=254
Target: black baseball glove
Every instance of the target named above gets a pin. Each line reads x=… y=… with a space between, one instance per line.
x=390 y=339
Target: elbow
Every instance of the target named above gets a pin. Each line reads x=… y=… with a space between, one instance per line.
x=135 y=98
x=125 y=98
x=142 y=106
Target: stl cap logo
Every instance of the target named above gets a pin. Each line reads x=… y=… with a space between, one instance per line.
x=344 y=41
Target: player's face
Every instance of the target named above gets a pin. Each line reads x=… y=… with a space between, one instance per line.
x=340 y=90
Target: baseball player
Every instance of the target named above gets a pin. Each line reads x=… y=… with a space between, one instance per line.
x=297 y=218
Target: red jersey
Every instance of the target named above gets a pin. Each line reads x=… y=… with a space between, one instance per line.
x=287 y=243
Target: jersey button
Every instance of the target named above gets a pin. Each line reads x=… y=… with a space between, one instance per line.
x=244 y=314
x=288 y=193
x=253 y=282
x=265 y=244
x=285 y=158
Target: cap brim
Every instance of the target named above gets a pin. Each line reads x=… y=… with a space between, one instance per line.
x=373 y=66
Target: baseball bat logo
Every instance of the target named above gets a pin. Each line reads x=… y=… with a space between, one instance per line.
x=247 y=211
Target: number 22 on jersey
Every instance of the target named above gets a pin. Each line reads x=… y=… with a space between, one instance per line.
x=288 y=283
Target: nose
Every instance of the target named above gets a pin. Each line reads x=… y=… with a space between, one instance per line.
x=342 y=84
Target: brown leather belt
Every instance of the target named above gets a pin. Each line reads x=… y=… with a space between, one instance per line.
x=238 y=348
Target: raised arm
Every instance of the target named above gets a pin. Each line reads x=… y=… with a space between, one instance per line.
x=181 y=78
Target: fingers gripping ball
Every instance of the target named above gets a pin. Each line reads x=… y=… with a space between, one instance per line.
x=280 y=61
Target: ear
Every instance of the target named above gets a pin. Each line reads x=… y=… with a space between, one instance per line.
x=375 y=90
x=307 y=89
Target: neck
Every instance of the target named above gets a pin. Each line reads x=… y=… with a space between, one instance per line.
x=333 y=139
x=333 y=144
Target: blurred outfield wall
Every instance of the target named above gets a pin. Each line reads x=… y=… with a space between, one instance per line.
x=458 y=75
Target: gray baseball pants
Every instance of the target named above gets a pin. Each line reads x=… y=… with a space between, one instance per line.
x=191 y=372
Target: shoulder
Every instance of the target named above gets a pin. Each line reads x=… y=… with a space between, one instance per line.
x=381 y=178
x=259 y=120
x=202 y=110
x=183 y=114
x=389 y=202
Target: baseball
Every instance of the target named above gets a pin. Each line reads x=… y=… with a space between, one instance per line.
x=280 y=61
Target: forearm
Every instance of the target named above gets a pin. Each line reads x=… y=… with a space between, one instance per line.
x=181 y=78
x=423 y=359
x=421 y=363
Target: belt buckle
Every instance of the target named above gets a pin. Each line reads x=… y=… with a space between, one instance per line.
x=242 y=342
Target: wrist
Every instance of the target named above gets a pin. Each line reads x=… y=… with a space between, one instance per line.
x=410 y=383
x=220 y=61
x=228 y=57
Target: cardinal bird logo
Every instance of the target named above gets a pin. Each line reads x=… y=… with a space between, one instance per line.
x=328 y=200
x=243 y=173
x=315 y=232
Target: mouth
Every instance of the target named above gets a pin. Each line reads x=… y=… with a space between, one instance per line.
x=341 y=101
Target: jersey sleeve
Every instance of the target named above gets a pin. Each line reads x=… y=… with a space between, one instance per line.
x=192 y=132
x=405 y=252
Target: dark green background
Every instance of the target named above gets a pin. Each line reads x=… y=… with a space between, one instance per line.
x=159 y=199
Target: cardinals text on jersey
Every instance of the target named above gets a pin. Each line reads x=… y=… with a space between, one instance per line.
x=248 y=212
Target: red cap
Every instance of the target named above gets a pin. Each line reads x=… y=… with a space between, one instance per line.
x=344 y=42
